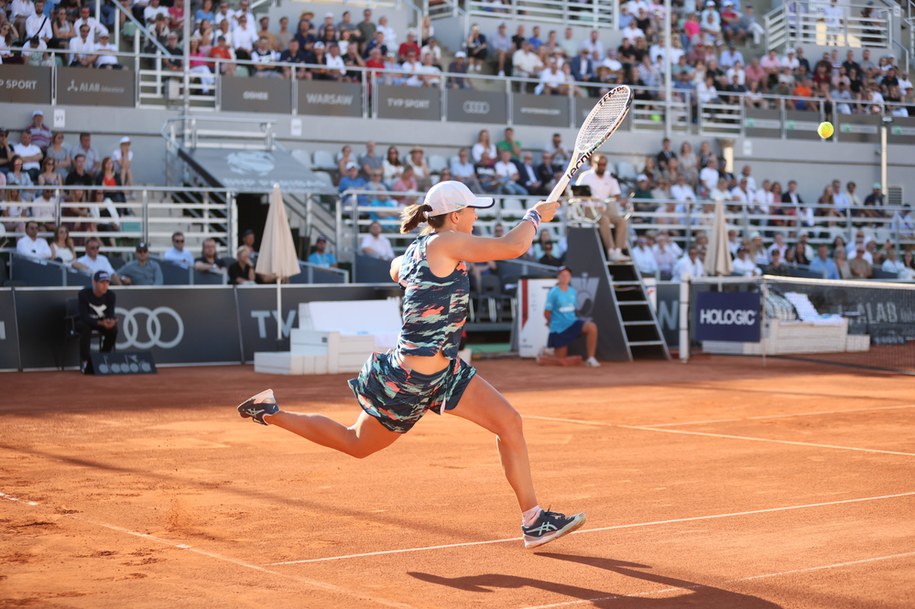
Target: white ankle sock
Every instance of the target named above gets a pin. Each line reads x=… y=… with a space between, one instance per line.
x=529 y=517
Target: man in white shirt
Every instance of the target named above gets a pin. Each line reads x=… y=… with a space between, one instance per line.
x=390 y=36
x=688 y=266
x=551 y=79
x=507 y=172
x=30 y=153
x=376 y=245
x=38 y=24
x=643 y=258
x=82 y=48
x=682 y=192
x=594 y=46
x=153 y=9
x=526 y=63
x=833 y=16
x=95 y=262
x=177 y=254
x=31 y=245
x=779 y=246
x=244 y=36
x=730 y=56
x=709 y=174
x=839 y=197
x=44 y=209
x=606 y=189
x=742 y=192
x=790 y=60
x=632 y=32
x=242 y=10
x=95 y=27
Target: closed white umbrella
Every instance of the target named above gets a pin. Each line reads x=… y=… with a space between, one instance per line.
x=718 y=257
x=277 y=254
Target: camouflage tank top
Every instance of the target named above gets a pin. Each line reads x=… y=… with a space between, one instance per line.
x=434 y=308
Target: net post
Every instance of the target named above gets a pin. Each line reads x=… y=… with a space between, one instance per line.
x=684 y=320
x=762 y=318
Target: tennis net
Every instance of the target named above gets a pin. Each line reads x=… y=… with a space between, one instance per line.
x=862 y=324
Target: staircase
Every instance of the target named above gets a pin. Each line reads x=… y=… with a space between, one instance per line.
x=613 y=295
x=642 y=332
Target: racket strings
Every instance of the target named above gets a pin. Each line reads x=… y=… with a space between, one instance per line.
x=602 y=122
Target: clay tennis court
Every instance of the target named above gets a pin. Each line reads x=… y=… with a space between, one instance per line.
x=718 y=484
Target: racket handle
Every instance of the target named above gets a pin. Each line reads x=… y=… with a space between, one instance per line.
x=559 y=188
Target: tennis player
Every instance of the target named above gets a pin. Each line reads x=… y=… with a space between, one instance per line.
x=423 y=372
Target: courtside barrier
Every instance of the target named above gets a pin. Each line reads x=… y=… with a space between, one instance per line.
x=179 y=325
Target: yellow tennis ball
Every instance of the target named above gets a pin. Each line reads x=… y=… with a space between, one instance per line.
x=825 y=130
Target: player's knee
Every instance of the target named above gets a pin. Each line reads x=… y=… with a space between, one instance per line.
x=511 y=424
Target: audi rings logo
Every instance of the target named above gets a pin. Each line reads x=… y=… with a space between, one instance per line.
x=145 y=328
x=476 y=107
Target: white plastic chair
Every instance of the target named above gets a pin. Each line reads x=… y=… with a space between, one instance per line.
x=324 y=161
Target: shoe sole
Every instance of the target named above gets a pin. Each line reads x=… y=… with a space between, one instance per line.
x=574 y=526
x=250 y=402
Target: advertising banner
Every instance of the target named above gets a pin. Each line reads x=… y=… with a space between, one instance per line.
x=667 y=295
x=25 y=85
x=82 y=87
x=257 y=310
x=469 y=106
x=238 y=94
x=901 y=131
x=177 y=325
x=530 y=323
x=409 y=103
x=802 y=125
x=760 y=122
x=859 y=128
x=728 y=316
x=540 y=110
x=9 y=335
x=328 y=98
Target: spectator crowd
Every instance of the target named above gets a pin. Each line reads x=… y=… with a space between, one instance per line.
x=706 y=51
x=671 y=193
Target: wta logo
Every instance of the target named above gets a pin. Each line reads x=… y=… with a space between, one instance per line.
x=727 y=317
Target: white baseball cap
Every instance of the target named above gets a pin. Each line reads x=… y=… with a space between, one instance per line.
x=450 y=195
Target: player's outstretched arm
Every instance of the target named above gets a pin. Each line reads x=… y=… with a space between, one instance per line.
x=515 y=243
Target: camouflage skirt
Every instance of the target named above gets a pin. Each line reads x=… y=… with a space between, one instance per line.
x=398 y=396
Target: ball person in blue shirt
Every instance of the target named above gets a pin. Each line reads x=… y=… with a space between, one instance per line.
x=565 y=326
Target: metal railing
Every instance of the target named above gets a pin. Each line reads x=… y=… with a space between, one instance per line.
x=796 y=23
x=596 y=13
x=727 y=115
x=125 y=216
x=683 y=220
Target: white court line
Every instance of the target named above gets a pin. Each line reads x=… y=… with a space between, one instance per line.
x=780 y=416
x=16 y=499
x=838 y=565
x=771 y=440
x=597 y=530
x=717 y=435
x=221 y=557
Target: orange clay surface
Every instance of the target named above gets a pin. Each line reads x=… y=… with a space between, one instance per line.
x=716 y=485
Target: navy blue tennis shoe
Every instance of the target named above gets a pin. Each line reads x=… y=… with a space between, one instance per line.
x=550 y=526
x=258 y=406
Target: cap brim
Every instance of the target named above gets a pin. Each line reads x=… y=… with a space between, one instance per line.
x=482 y=202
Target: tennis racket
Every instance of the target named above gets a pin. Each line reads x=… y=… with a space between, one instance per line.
x=603 y=120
